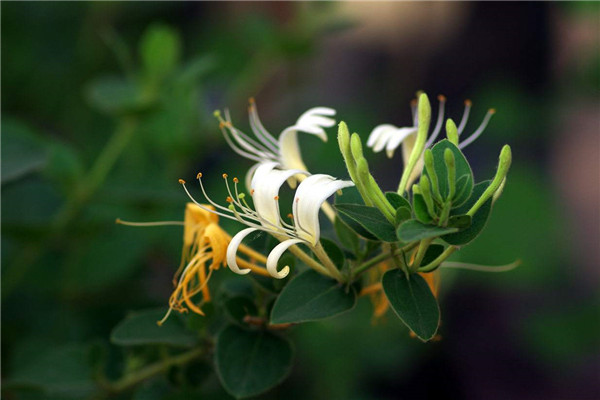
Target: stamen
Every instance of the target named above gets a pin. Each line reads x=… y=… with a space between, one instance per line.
x=290 y=216
x=229 y=199
x=247 y=142
x=225 y=176
x=479 y=130
x=181 y=181
x=259 y=130
x=276 y=198
x=465 y=117
x=236 y=180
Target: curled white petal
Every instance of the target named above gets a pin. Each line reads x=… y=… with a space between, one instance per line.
x=276 y=254
x=309 y=197
x=377 y=132
x=266 y=184
x=232 y=251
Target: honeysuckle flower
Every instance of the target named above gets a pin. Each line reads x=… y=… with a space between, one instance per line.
x=266 y=182
x=284 y=150
x=204 y=250
x=389 y=137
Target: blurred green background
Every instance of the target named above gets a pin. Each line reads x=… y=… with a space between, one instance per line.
x=106 y=105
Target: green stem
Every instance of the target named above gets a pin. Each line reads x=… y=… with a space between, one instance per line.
x=381 y=257
x=135 y=378
x=423 y=246
x=326 y=260
x=441 y=258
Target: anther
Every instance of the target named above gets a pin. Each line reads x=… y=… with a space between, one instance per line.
x=225 y=176
x=252 y=192
x=251 y=100
x=441 y=98
x=413 y=102
x=199 y=175
x=229 y=199
x=492 y=111
x=290 y=216
x=276 y=198
x=468 y=103
x=236 y=180
x=181 y=181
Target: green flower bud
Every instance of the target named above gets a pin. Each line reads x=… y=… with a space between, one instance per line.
x=451 y=168
x=356 y=147
x=429 y=167
x=425 y=186
x=452 y=132
x=504 y=162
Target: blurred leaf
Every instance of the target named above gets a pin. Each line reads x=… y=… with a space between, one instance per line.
x=116 y=96
x=412 y=300
x=311 y=296
x=160 y=49
x=396 y=200
x=22 y=150
x=462 y=221
x=195 y=69
x=251 y=362
x=64 y=166
x=63 y=370
x=141 y=328
x=413 y=230
x=371 y=219
x=478 y=220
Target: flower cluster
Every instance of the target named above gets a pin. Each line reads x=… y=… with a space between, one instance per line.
x=399 y=238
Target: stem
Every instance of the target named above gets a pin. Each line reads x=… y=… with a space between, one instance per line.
x=324 y=257
x=423 y=246
x=379 y=258
x=129 y=381
x=441 y=258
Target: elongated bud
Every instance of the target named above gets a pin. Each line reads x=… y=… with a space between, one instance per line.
x=451 y=168
x=424 y=115
x=430 y=168
x=425 y=187
x=346 y=150
x=356 y=146
x=344 y=139
x=452 y=132
x=373 y=191
x=503 y=167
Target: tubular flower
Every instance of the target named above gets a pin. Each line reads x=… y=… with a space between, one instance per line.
x=265 y=185
x=204 y=250
x=284 y=150
x=389 y=137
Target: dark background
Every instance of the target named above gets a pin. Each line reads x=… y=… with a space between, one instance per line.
x=532 y=333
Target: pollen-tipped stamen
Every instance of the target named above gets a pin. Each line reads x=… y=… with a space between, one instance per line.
x=465 y=117
x=479 y=130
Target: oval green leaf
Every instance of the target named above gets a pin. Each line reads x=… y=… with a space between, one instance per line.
x=311 y=296
x=412 y=300
x=251 y=362
x=465 y=184
x=369 y=218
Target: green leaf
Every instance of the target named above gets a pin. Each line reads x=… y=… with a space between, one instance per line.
x=141 y=328
x=63 y=371
x=414 y=230
x=160 y=50
x=478 y=220
x=420 y=209
x=116 y=96
x=311 y=296
x=464 y=186
x=371 y=219
x=347 y=236
x=412 y=300
x=22 y=151
x=349 y=196
x=334 y=252
x=396 y=200
x=249 y=363
x=402 y=214
x=462 y=221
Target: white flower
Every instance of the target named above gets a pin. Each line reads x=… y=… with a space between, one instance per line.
x=390 y=137
x=284 y=150
x=266 y=182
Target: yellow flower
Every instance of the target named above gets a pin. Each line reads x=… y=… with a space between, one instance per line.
x=204 y=250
